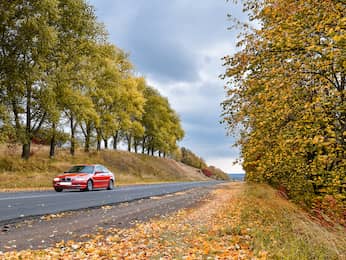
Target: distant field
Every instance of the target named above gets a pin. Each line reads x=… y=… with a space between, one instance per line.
x=129 y=168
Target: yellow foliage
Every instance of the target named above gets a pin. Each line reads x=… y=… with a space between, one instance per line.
x=287 y=91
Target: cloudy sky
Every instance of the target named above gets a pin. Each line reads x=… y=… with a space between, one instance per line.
x=177 y=45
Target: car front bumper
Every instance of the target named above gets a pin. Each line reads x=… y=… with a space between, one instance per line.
x=69 y=185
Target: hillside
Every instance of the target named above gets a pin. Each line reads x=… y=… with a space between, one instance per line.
x=129 y=168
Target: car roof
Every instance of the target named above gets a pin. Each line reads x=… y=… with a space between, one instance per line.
x=92 y=165
x=89 y=165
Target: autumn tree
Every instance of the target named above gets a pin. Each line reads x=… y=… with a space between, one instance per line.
x=44 y=45
x=78 y=33
x=132 y=109
x=162 y=125
x=107 y=77
x=286 y=91
x=27 y=37
x=190 y=158
x=58 y=72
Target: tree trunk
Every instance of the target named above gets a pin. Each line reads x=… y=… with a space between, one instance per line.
x=105 y=140
x=28 y=137
x=87 y=143
x=98 y=139
x=159 y=153
x=129 y=139
x=143 y=144
x=87 y=137
x=115 y=140
x=26 y=150
x=52 y=142
x=98 y=144
x=72 y=125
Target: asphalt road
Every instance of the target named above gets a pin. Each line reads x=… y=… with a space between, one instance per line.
x=16 y=205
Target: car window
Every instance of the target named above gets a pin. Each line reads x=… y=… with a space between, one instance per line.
x=104 y=169
x=99 y=168
x=81 y=169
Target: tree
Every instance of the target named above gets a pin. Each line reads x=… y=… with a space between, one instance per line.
x=57 y=68
x=77 y=32
x=161 y=124
x=44 y=48
x=106 y=77
x=189 y=158
x=27 y=37
x=287 y=91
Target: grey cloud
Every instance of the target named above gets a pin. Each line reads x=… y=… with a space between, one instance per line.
x=163 y=38
x=155 y=48
x=163 y=60
x=210 y=145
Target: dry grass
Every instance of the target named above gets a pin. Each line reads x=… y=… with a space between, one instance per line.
x=129 y=168
x=285 y=231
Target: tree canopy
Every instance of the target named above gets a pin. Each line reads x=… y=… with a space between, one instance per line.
x=59 y=72
x=286 y=96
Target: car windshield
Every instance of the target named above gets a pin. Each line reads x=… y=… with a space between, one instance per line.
x=81 y=168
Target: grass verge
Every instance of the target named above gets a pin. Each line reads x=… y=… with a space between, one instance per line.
x=284 y=230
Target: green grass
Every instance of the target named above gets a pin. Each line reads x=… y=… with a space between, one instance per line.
x=129 y=168
x=285 y=231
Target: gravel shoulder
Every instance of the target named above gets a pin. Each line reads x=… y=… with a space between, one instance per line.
x=45 y=231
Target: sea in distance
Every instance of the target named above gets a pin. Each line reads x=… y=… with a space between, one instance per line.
x=237 y=176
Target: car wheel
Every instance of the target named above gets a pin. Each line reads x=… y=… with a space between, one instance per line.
x=110 y=185
x=89 y=186
x=58 y=189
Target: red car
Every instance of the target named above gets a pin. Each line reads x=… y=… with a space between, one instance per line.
x=85 y=177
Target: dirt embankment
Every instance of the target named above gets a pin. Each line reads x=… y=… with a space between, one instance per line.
x=129 y=168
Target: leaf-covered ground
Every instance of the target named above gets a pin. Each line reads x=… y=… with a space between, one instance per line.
x=238 y=221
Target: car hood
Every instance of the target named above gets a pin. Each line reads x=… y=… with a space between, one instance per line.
x=72 y=175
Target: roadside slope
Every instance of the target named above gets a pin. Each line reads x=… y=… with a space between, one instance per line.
x=130 y=168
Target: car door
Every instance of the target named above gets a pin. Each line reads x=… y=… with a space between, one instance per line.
x=107 y=175
x=100 y=177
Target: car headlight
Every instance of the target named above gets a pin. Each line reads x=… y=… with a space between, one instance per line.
x=56 y=179
x=81 y=178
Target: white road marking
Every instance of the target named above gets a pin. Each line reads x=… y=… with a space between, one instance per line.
x=32 y=196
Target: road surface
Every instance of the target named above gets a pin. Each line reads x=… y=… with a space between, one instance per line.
x=17 y=205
